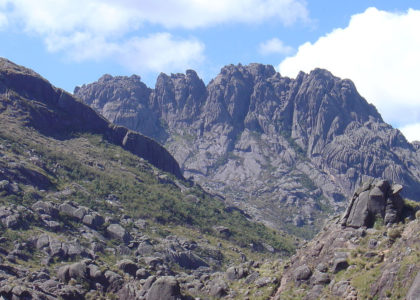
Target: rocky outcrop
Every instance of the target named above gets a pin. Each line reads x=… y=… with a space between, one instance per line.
x=164 y=288
x=303 y=144
x=349 y=259
x=372 y=201
x=57 y=113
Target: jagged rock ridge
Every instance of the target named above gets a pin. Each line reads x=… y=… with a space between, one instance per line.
x=271 y=144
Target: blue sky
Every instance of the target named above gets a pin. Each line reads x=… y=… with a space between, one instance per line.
x=374 y=43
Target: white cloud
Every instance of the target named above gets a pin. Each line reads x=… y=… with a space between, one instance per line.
x=161 y=53
x=3 y=20
x=99 y=29
x=274 y=46
x=110 y=16
x=411 y=132
x=201 y=13
x=379 y=51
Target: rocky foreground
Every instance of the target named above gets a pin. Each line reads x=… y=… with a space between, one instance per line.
x=39 y=259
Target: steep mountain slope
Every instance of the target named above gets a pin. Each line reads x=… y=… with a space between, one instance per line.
x=53 y=111
x=288 y=151
x=371 y=252
x=87 y=210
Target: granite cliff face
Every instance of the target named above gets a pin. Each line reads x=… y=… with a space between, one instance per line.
x=53 y=111
x=286 y=150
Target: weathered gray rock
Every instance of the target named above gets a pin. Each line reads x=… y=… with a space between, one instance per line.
x=115 y=281
x=186 y=259
x=128 y=266
x=70 y=293
x=42 y=241
x=78 y=271
x=374 y=200
x=252 y=277
x=145 y=248
x=130 y=291
x=11 y=217
x=95 y=273
x=142 y=273
x=322 y=267
x=93 y=220
x=149 y=282
x=340 y=288
x=116 y=231
x=235 y=273
x=80 y=212
x=153 y=262
x=63 y=273
x=218 y=288
x=302 y=273
x=320 y=278
x=67 y=209
x=164 y=288
x=43 y=207
x=264 y=281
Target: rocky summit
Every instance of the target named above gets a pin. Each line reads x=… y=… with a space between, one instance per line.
x=286 y=151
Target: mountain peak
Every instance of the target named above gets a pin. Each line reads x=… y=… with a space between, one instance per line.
x=249 y=129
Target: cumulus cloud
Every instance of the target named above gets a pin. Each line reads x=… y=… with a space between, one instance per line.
x=159 y=52
x=99 y=29
x=274 y=46
x=201 y=13
x=379 y=51
x=179 y=54
x=109 y=16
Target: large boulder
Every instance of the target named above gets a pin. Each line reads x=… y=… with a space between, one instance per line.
x=302 y=273
x=186 y=259
x=128 y=266
x=377 y=199
x=44 y=207
x=116 y=231
x=165 y=288
x=234 y=273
